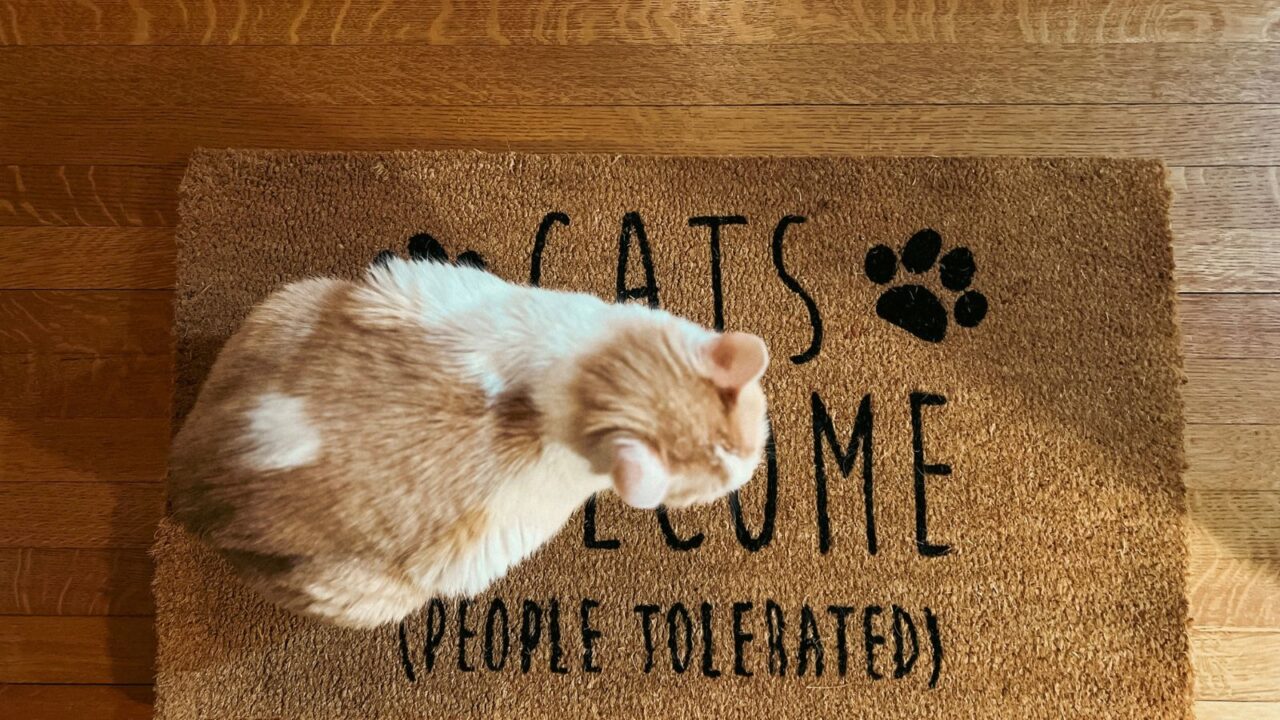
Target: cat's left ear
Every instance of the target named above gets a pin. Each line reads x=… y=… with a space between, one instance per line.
x=736 y=359
x=639 y=477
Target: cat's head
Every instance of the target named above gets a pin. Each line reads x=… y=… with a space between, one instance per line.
x=672 y=412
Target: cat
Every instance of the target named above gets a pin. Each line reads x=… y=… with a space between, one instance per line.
x=360 y=447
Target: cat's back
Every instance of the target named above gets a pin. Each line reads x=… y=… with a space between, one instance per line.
x=333 y=402
x=273 y=333
x=430 y=293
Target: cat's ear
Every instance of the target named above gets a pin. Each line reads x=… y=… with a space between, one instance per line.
x=639 y=477
x=736 y=359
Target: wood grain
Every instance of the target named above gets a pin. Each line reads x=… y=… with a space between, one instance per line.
x=76 y=649
x=1233 y=592
x=1238 y=524
x=1236 y=664
x=59 y=702
x=55 y=581
x=85 y=449
x=1226 y=710
x=1230 y=326
x=1232 y=391
x=1233 y=457
x=84 y=322
x=85 y=195
x=86 y=258
x=657 y=22
x=79 y=515
x=1180 y=134
x=1221 y=198
x=1228 y=261
x=82 y=386
x=693 y=75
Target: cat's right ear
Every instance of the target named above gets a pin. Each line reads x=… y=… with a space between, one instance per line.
x=737 y=359
x=639 y=476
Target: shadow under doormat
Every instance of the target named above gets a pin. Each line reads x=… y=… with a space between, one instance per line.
x=972 y=508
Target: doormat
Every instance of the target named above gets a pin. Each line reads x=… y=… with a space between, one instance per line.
x=971 y=505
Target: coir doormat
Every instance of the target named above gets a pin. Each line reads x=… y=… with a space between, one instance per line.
x=972 y=504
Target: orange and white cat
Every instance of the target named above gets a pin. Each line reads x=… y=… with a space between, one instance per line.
x=360 y=447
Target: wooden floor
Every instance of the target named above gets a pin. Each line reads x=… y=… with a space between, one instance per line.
x=102 y=100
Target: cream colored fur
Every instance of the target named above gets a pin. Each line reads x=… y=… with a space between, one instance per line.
x=359 y=447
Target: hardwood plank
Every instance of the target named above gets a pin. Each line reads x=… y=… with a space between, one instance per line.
x=58 y=702
x=76 y=649
x=86 y=195
x=83 y=449
x=689 y=75
x=81 y=386
x=1228 y=260
x=1233 y=457
x=659 y=22
x=87 y=258
x=1236 y=664
x=1233 y=592
x=1232 y=391
x=1225 y=710
x=79 y=515
x=1230 y=326
x=1238 y=524
x=54 y=581
x=1181 y=135
x=85 y=322
x=1219 y=198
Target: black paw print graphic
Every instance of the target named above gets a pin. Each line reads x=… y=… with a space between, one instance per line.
x=424 y=247
x=915 y=308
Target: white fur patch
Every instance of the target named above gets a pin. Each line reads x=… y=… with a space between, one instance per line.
x=522 y=516
x=484 y=373
x=281 y=435
x=740 y=469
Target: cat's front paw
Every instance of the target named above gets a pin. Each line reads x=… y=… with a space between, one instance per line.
x=424 y=247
